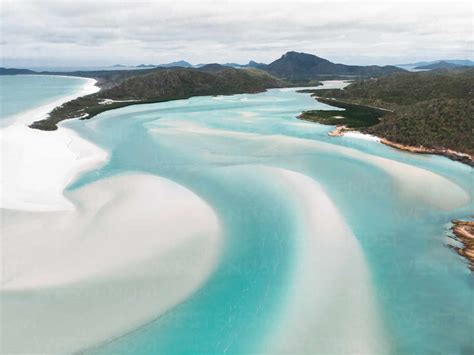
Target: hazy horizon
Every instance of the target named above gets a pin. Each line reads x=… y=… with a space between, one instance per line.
x=70 y=33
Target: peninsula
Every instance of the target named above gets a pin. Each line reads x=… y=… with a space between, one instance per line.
x=423 y=112
x=161 y=85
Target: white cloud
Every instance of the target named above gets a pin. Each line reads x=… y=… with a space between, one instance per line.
x=87 y=32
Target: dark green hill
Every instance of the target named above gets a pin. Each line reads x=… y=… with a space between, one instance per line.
x=301 y=66
x=163 y=85
x=436 y=123
x=15 y=71
x=404 y=89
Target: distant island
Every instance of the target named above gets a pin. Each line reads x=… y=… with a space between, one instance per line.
x=425 y=112
x=441 y=65
x=462 y=62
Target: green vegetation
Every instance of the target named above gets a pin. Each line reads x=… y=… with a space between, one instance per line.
x=163 y=85
x=429 y=109
x=394 y=91
x=353 y=116
x=437 y=124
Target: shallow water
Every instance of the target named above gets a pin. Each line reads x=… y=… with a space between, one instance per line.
x=322 y=241
x=215 y=146
x=20 y=93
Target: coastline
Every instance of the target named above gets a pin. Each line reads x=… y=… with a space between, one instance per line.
x=448 y=153
x=39 y=172
x=41 y=112
x=343 y=130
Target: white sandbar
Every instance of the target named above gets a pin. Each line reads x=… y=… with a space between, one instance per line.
x=36 y=166
x=73 y=279
x=330 y=306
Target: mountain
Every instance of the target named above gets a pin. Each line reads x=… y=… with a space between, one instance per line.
x=232 y=65
x=15 y=71
x=253 y=64
x=441 y=65
x=180 y=63
x=163 y=84
x=213 y=67
x=301 y=66
x=250 y=64
x=146 y=66
x=464 y=62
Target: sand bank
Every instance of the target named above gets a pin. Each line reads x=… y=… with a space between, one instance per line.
x=73 y=279
x=417 y=184
x=36 y=166
x=330 y=306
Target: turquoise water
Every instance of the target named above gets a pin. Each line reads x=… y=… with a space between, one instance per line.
x=218 y=148
x=21 y=93
x=215 y=146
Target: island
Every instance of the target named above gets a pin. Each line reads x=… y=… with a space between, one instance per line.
x=423 y=112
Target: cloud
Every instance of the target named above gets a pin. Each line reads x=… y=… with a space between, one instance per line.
x=92 y=32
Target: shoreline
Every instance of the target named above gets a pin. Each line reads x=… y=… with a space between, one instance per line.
x=464 y=158
x=464 y=233
x=448 y=153
x=342 y=128
x=39 y=172
x=42 y=111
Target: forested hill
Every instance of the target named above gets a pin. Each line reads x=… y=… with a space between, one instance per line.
x=163 y=85
x=431 y=109
x=296 y=66
x=408 y=88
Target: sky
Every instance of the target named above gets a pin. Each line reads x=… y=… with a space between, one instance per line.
x=107 y=32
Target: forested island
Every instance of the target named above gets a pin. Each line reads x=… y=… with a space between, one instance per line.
x=161 y=85
x=425 y=112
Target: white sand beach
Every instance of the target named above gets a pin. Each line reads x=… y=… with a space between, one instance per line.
x=71 y=264
x=69 y=276
x=36 y=166
x=359 y=135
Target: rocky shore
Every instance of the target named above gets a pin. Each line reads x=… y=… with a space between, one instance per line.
x=464 y=233
x=339 y=131
x=451 y=154
x=468 y=159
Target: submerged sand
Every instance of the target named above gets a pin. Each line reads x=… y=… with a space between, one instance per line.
x=73 y=279
x=330 y=306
